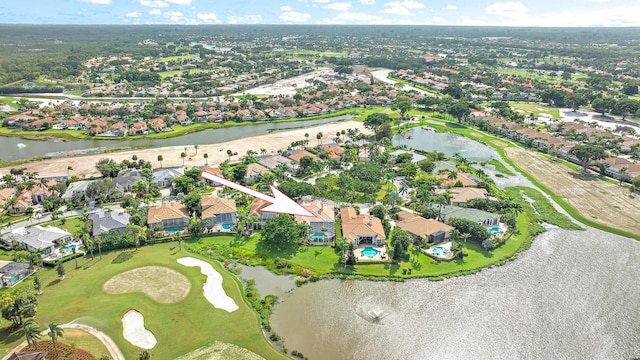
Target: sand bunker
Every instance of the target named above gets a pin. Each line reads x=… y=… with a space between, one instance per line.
x=213 y=290
x=161 y=284
x=134 y=332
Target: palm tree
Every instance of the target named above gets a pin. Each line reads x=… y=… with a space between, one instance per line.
x=160 y=158
x=229 y=154
x=196 y=146
x=263 y=151
x=144 y=355
x=31 y=331
x=55 y=331
x=183 y=155
x=69 y=168
x=319 y=137
x=206 y=159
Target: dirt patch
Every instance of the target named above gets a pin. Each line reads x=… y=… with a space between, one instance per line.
x=499 y=143
x=221 y=351
x=602 y=202
x=475 y=134
x=64 y=351
x=161 y=284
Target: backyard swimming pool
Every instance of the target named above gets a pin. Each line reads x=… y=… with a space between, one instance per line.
x=440 y=251
x=369 y=251
x=173 y=231
x=494 y=230
x=227 y=226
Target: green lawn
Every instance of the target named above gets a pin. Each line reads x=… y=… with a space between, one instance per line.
x=499 y=166
x=176 y=58
x=179 y=328
x=10 y=101
x=172 y=73
x=44 y=135
x=536 y=109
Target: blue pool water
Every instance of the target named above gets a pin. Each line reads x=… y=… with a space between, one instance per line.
x=317 y=237
x=494 y=230
x=71 y=247
x=369 y=251
x=227 y=226
x=173 y=231
x=440 y=251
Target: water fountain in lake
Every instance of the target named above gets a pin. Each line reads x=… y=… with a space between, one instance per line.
x=372 y=312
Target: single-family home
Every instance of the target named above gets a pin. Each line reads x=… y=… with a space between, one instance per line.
x=481 y=217
x=430 y=230
x=77 y=188
x=254 y=171
x=464 y=179
x=123 y=182
x=219 y=213
x=106 y=221
x=171 y=216
x=6 y=194
x=12 y=272
x=43 y=238
x=462 y=195
x=333 y=151
x=259 y=214
x=213 y=171
x=164 y=176
x=361 y=229
x=274 y=160
x=323 y=221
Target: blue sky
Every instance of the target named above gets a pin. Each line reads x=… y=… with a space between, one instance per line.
x=399 y=12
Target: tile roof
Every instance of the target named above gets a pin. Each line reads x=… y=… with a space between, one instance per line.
x=213 y=206
x=419 y=226
x=166 y=211
x=354 y=226
x=322 y=212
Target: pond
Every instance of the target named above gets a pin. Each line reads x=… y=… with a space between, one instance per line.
x=563 y=298
x=14 y=148
x=266 y=282
x=448 y=143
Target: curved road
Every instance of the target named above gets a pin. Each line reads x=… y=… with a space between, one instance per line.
x=111 y=346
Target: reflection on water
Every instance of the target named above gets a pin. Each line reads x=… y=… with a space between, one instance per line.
x=266 y=282
x=573 y=295
x=447 y=143
x=12 y=150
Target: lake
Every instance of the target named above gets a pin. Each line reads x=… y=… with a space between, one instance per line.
x=573 y=295
x=448 y=143
x=12 y=150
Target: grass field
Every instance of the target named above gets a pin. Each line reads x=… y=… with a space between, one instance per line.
x=10 y=101
x=536 y=108
x=83 y=340
x=80 y=297
x=176 y=58
x=172 y=73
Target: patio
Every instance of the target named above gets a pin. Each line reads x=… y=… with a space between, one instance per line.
x=371 y=253
x=441 y=251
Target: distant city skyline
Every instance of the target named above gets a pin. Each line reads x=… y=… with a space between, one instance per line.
x=607 y=13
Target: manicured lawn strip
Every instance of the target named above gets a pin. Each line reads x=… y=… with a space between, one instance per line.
x=546 y=212
x=179 y=328
x=323 y=260
x=486 y=139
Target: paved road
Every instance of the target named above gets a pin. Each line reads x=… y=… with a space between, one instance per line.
x=114 y=350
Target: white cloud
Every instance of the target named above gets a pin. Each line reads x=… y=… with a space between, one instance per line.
x=368 y=2
x=153 y=3
x=134 y=14
x=209 y=18
x=609 y=16
x=452 y=7
x=155 y=12
x=339 y=6
x=247 y=19
x=321 y=1
x=598 y=1
x=293 y=16
x=438 y=19
x=174 y=16
x=402 y=7
x=357 y=17
x=508 y=9
x=99 y=2
x=179 y=2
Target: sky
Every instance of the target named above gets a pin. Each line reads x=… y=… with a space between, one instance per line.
x=561 y=13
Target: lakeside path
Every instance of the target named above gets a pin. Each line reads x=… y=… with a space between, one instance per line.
x=84 y=166
x=596 y=200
